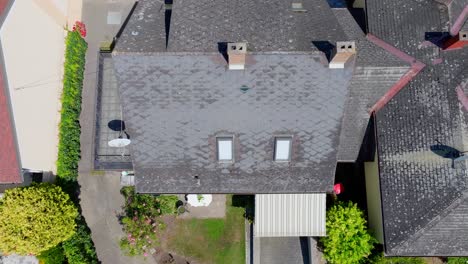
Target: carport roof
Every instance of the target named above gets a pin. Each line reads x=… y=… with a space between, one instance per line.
x=290 y=215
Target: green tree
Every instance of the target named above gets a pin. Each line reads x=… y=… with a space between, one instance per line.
x=36 y=218
x=348 y=240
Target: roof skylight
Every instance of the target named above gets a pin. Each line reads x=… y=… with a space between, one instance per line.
x=283 y=148
x=225 y=150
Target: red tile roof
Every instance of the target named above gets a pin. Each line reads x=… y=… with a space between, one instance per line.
x=9 y=161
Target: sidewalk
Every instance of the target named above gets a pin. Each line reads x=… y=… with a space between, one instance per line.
x=100 y=197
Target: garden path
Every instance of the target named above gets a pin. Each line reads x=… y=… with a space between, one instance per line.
x=100 y=197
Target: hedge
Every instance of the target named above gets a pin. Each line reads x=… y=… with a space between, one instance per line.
x=52 y=256
x=69 y=128
x=457 y=260
x=79 y=249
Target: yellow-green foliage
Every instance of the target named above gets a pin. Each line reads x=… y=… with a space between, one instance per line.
x=347 y=241
x=35 y=218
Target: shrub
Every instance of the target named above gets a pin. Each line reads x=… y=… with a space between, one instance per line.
x=35 y=218
x=348 y=240
x=52 y=256
x=141 y=220
x=379 y=258
x=79 y=249
x=456 y=260
x=69 y=128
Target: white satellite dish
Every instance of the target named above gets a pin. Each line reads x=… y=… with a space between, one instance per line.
x=464 y=157
x=119 y=142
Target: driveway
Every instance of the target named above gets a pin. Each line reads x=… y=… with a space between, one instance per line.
x=291 y=250
x=279 y=250
x=99 y=193
x=100 y=202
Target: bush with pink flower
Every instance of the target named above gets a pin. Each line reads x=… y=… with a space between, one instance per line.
x=142 y=220
x=80 y=27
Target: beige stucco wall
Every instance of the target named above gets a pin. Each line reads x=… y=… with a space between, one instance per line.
x=374 y=209
x=33 y=47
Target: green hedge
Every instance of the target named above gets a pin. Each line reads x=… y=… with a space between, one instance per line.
x=69 y=129
x=79 y=249
x=457 y=260
x=380 y=259
x=52 y=256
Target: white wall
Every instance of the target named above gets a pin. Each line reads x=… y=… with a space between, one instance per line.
x=33 y=47
x=374 y=209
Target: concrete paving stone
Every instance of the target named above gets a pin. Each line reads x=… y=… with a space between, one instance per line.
x=100 y=194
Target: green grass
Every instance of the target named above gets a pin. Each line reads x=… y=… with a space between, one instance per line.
x=211 y=240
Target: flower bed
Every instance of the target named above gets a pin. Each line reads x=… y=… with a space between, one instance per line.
x=141 y=220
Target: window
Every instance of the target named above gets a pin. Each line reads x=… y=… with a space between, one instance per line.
x=283 y=148
x=224 y=149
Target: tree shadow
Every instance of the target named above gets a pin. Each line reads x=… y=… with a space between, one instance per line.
x=247 y=202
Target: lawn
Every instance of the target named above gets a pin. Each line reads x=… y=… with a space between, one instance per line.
x=211 y=240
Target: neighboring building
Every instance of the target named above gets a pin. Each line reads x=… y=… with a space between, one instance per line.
x=32 y=39
x=423 y=129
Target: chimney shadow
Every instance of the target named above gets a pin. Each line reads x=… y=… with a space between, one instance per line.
x=167 y=18
x=222 y=48
x=326 y=47
x=437 y=38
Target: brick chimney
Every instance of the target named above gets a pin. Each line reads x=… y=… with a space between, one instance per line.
x=345 y=50
x=456 y=42
x=236 y=55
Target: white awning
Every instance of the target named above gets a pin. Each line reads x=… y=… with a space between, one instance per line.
x=290 y=215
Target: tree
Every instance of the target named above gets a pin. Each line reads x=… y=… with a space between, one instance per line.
x=34 y=219
x=348 y=240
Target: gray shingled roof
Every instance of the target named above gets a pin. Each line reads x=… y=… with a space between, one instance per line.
x=455 y=9
x=199 y=25
x=376 y=71
x=176 y=104
x=424 y=197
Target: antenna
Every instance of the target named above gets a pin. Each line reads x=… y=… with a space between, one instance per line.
x=461 y=158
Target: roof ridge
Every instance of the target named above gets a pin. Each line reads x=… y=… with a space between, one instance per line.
x=203 y=53
x=416 y=67
x=457 y=25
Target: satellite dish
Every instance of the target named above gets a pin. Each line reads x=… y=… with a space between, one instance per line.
x=464 y=157
x=119 y=142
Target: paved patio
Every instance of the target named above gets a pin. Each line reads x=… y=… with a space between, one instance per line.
x=216 y=209
x=109 y=123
